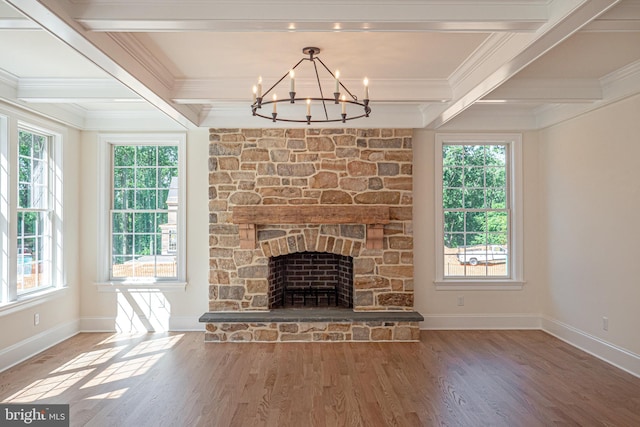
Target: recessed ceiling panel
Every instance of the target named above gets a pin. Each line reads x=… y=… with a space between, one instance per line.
x=377 y=55
x=37 y=54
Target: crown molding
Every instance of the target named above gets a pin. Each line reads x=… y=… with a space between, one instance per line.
x=206 y=91
x=235 y=114
x=64 y=90
x=616 y=86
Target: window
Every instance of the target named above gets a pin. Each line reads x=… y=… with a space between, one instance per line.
x=31 y=262
x=477 y=199
x=145 y=190
x=34 y=213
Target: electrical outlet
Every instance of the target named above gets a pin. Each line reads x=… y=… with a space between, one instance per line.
x=36 y=319
x=605 y=323
x=460 y=301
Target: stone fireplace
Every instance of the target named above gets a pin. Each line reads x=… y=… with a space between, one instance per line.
x=286 y=203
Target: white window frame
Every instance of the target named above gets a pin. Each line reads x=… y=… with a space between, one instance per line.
x=514 y=279
x=105 y=167
x=11 y=121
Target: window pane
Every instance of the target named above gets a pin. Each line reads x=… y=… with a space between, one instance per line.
x=123 y=178
x=452 y=155
x=145 y=199
x=146 y=177
x=474 y=177
x=146 y=156
x=476 y=222
x=168 y=156
x=144 y=222
x=452 y=177
x=496 y=198
x=496 y=155
x=452 y=198
x=496 y=177
x=474 y=199
x=34 y=251
x=453 y=221
x=474 y=155
x=123 y=199
x=124 y=155
x=33 y=171
x=165 y=176
x=497 y=221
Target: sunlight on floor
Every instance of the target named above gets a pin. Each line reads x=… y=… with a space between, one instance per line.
x=121 y=371
x=113 y=365
x=91 y=358
x=48 y=387
x=142 y=311
x=159 y=344
x=116 y=394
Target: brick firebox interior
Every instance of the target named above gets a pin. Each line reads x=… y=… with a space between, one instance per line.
x=275 y=192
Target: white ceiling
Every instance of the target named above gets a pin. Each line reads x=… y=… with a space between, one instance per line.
x=457 y=64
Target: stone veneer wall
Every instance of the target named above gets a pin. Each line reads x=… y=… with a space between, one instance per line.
x=310 y=167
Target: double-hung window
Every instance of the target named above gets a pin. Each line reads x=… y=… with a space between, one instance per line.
x=144 y=200
x=478 y=202
x=34 y=212
x=30 y=212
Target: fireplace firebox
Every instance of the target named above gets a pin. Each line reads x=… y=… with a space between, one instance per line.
x=311 y=279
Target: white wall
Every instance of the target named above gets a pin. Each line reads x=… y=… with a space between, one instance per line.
x=590 y=201
x=482 y=309
x=20 y=338
x=175 y=310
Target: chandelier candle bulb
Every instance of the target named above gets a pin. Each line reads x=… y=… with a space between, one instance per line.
x=275 y=103
x=308 y=107
x=337 y=81
x=292 y=76
x=344 y=104
x=259 y=95
x=255 y=91
x=366 y=88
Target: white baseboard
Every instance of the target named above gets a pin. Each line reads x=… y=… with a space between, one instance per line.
x=185 y=323
x=610 y=353
x=109 y=324
x=97 y=324
x=480 y=321
x=23 y=350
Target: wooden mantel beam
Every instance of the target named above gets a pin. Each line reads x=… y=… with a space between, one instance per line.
x=247 y=217
x=315 y=215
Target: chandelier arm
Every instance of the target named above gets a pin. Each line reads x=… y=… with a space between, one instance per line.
x=324 y=105
x=355 y=98
x=281 y=79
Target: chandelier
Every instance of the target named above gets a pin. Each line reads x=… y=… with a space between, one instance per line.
x=349 y=106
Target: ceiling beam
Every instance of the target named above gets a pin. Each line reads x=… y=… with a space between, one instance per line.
x=109 y=54
x=319 y=15
x=505 y=55
x=546 y=91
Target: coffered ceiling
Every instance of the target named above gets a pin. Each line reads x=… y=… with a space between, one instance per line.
x=458 y=64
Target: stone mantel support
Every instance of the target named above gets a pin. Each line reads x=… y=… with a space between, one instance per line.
x=248 y=217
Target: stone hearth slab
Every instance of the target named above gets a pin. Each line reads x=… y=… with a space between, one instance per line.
x=311 y=315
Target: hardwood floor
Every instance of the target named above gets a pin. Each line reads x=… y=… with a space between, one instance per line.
x=452 y=378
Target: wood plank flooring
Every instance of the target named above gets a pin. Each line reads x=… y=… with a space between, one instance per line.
x=449 y=378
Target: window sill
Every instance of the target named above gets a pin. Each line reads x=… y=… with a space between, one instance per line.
x=477 y=285
x=141 y=286
x=31 y=300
